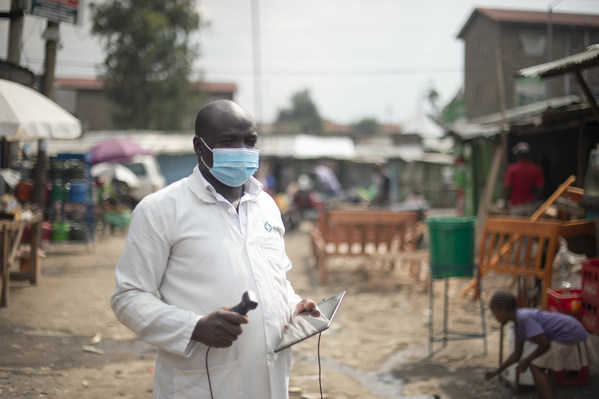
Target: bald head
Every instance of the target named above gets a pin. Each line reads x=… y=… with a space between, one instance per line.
x=221 y=114
x=222 y=124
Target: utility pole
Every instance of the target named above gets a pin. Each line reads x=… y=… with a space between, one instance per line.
x=15 y=33
x=257 y=61
x=52 y=36
x=550 y=37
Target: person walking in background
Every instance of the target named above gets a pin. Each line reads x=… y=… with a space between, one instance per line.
x=326 y=181
x=192 y=250
x=562 y=342
x=523 y=183
x=382 y=184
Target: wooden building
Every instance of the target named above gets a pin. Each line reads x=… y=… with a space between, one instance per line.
x=499 y=42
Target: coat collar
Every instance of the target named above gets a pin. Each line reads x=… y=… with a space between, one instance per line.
x=206 y=192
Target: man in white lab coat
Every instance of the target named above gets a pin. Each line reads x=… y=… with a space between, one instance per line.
x=193 y=248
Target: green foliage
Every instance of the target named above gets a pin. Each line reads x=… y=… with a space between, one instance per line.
x=366 y=126
x=148 y=59
x=302 y=113
x=454 y=111
x=433 y=98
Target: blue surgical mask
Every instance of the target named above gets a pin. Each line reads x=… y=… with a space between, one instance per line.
x=233 y=166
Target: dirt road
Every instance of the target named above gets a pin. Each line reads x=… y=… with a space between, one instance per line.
x=59 y=339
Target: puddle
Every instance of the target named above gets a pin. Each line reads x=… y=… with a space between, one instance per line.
x=381 y=382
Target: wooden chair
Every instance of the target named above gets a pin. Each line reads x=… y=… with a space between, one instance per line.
x=520 y=247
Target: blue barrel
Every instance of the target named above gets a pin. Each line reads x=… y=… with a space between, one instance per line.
x=77 y=193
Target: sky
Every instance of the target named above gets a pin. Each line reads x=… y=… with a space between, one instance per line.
x=358 y=58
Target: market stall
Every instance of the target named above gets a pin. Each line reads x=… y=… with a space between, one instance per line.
x=26 y=118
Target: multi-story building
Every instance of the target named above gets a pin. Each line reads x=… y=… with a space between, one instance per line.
x=498 y=43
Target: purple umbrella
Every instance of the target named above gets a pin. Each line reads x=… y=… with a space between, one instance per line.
x=117 y=149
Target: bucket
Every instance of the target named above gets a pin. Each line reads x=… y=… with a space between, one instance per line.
x=23 y=190
x=510 y=373
x=58 y=192
x=451 y=246
x=77 y=193
x=60 y=231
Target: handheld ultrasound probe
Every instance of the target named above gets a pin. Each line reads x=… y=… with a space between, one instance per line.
x=248 y=302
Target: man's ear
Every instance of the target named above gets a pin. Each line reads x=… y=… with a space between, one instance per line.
x=197 y=145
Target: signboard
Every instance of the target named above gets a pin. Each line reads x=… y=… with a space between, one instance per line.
x=70 y=11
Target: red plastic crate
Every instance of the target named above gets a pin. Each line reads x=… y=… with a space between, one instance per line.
x=590 y=278
x=589 y=314
x=578 y=377
x=564 y=300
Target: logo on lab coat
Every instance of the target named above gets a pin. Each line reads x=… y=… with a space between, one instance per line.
x=267 y=227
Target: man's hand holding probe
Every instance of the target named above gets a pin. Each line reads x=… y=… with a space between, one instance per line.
x=222 y=327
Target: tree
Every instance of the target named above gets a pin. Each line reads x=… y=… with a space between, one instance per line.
x=303 y=113
x=366 y=126
x=433 y=98
x=148 y=59
x=454 y=111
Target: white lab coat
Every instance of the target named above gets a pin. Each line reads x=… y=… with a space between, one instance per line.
x=184 y=259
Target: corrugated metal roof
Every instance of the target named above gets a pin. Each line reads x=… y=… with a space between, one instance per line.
x=492 y=124
x=374 y=152
x=304 y=146
x=574 y=62
x=532 y=17
x=78 y=83
x=96 y=84
x=298 y=146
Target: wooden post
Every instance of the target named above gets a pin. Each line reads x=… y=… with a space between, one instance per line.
x=52 y=38
x=487 y=196
x=15 y=33
x=588 y=94
x=4 y=236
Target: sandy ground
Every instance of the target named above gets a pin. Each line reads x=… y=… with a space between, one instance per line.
x=59 y=339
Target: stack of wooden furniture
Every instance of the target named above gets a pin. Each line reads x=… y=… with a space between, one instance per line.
x=362 y=232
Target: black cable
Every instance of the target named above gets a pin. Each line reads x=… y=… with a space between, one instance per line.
x=319 y=368
x=208 y=373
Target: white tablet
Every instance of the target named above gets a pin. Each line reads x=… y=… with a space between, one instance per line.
x=303 y=325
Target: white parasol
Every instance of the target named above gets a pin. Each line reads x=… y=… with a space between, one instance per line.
x=106 y=171
x=26 y=114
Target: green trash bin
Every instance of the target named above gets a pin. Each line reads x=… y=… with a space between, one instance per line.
x=451 y=241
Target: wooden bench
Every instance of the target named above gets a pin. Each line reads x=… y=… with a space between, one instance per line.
x=361 y=232
x=521 y=247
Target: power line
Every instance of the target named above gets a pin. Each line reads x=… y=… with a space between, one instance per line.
x=346 y=72
x=414 y=70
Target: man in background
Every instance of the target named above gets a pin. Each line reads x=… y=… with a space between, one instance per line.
x=523 y=183
x=382 y=183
